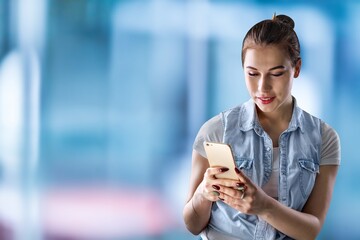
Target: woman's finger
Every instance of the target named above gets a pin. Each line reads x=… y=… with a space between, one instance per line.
x=227 y=182
x=235 y=193
x=210 y=189
x=242 y=177
x=212 y=193
x=247 y=186
x=211 y=172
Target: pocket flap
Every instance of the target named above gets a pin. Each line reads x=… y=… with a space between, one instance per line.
x=243 y=163
x=309 y=165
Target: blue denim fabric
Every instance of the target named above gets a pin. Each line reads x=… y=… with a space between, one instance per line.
x=299 y=148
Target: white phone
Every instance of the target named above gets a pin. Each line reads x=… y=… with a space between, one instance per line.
x=221 y=155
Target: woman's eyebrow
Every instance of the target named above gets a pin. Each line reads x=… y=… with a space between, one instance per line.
x=273 y=68
x=251 y=67
x=277 y=67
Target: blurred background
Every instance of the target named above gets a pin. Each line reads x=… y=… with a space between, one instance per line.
x=100 y=102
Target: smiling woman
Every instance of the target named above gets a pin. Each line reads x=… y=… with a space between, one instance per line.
x=282 y=195
x=269 y=75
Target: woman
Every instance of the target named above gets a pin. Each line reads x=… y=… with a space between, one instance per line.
x=286 y=159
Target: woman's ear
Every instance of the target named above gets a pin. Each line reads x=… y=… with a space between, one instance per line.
x=297 y=68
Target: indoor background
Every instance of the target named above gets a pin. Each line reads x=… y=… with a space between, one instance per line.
x=100 y=102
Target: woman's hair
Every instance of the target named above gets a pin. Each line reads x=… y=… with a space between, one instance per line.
x=278 y=31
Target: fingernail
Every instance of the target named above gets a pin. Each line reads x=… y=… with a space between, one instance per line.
x=237 y=170
x=216 y=193
x=224 y=169
x=216 y=187
x=221 y=199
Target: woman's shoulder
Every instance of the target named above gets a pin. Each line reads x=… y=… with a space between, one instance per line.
x=212 y=128
x=330 y=150
x=211 y=131
x=216 y=123
x=329 y=132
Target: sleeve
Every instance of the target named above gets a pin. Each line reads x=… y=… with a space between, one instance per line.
x=330 y=149
x=211 y=131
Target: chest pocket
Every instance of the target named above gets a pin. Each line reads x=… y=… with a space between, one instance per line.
x=245 y=165
x=308 y=171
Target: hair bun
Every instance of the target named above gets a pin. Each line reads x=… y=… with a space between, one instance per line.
x=285 y=20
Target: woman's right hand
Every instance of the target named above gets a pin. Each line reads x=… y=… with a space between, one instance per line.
x=210 y=184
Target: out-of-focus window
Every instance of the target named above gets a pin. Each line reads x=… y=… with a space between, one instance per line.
x=4 y=26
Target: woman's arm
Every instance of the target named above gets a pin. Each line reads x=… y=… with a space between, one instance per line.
x=197 y=209
x=308 y=223
x=204 y=188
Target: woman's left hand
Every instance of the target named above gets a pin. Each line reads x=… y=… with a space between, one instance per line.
x=247 y=198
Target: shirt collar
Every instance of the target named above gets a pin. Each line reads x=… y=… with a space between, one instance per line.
x=248 y=118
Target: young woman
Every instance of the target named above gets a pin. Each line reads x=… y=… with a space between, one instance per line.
x=286 y=159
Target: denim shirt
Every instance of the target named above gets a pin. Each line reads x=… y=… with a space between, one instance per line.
x=299 y=151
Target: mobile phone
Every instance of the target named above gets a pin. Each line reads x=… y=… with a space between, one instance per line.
x=221 y=155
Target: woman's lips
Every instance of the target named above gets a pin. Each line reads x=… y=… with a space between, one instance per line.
x=266 y=100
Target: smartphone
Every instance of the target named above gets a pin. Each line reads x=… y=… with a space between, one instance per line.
x=221 y=155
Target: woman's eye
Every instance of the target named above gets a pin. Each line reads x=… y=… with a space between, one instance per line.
x=277 y=74
x=252 y=74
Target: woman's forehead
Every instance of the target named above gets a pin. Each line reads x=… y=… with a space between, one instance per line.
x=266 y=56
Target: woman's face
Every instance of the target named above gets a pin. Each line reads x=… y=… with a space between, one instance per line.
x=269 y=76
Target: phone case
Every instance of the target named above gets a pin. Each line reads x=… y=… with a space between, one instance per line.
x=220 y=155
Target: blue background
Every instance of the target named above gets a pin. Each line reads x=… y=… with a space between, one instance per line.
x=100 y=102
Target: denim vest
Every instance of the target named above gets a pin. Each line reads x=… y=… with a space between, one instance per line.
x=299 y=152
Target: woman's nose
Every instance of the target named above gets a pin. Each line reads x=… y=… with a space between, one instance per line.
x=263 y=84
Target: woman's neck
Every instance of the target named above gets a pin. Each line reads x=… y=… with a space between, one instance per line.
x=283 y=114
x=275 y=123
